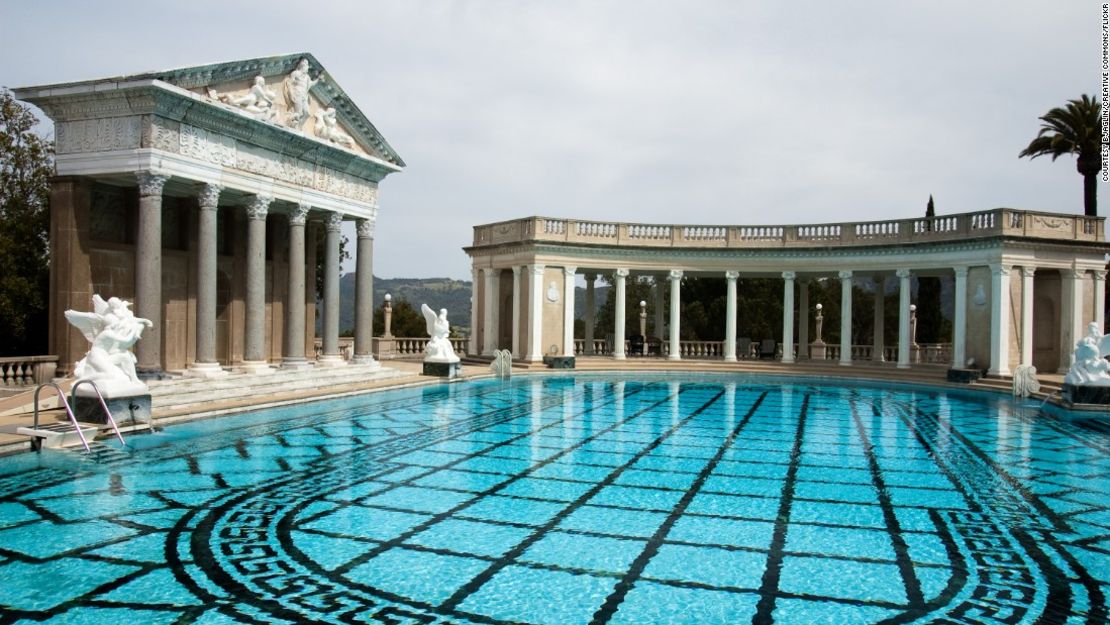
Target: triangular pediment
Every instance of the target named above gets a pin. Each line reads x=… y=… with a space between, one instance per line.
x=292 y=91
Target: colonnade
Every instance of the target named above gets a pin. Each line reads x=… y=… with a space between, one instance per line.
x=1000 y=313
x=148 y=283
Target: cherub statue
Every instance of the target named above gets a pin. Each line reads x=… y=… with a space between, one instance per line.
x=111 y=329
x=327 y=127
x=1089 y=366
x=439 y=347
x=259 y=100
x=297 y=85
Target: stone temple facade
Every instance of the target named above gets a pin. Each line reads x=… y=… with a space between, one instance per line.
x=200 y=193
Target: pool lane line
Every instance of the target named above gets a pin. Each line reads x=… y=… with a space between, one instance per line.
x=452 y=603
x=612 y=603
x=893 y=527
x=769 y=586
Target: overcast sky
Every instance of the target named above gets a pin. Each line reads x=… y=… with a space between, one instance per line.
x=705 y=112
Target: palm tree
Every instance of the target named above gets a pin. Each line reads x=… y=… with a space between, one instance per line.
x=1074 y=129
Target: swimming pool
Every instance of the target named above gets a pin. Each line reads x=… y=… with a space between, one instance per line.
x=575 y=499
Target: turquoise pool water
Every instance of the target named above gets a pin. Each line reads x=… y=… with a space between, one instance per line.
x=569 y=500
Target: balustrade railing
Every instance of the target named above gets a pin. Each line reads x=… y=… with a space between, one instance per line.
x=403 y=346
x=995 y=222
x=16 y=371
x=922 y=353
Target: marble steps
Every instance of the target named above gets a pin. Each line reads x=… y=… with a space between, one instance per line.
x=183 y=393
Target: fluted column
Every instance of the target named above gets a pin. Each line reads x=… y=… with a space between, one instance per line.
x=878 y=341
x=803 y=320
x=660 y=321
x=788 y=316
x=474 y=347
x=730 y=315
x=568 y=310
x=254 y=344
x=1000 y=320
x=293 y=356
x=331 y=355
x=489 y=311
x=676 y=314
x=364 y=294
x=148 y=274
x=588 y=334
x=845 y=317
x=205 y=363
x=535 y=313
x=516 y=312
x=619 y=277
x=959 y=324
x=1027 y=315
x=903 y=318
x=1100 y=300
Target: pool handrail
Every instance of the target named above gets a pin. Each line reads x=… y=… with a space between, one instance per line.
x=103 y=404
x=69 y=411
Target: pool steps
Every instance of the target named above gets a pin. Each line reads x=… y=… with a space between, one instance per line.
x=55 y=434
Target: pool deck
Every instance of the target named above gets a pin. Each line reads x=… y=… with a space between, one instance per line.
x=17 y=410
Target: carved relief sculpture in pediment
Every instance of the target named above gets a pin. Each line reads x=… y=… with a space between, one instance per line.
x=259 y=101
x=327 y=128
x=297 y=85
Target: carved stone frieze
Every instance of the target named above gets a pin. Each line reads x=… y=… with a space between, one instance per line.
x=207 y=146
x=96 y=135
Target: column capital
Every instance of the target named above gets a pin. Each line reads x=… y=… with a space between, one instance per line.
x=516 y=270
x=208 y=196
x=258 y=207
x=844 y=274
x=675 y=274
x=621 y=273
x=332 y=222
x=299 y=215
x=491 y=272
x=570 y=271
x=151 y=183
x=365 y=228
x=1001 y=270
x=961 y=272
x=590 y=277
x=903 y=273
x=1100 y=276
x=732 y=275
x=790 y=275
x=537 y=270
x=1027 y=272
x=1074 y=274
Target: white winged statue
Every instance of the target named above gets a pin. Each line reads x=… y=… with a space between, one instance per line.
x=1089 y=366
x=111 y=330
x=439 y=347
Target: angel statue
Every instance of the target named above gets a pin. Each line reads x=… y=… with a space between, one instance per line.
x=439 y=347
x=1089 y=366
x=111 y=329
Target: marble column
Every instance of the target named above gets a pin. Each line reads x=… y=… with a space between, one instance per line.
x=568 y=310
x=660 y=306
x=331 y=355
x=1000 y=320
x=489 y=310
x=474 y=347
x=676 y=314
x=535 y=313
x=205 y=364
x=788 y=316
x=1027 y=315
x=730 y=315
x=959 y=323
x=903 y=318
x=294 y=357
x=803 y=319
x=364 y=294
x=148 y=274
x=878 y=340
x=588 y=334
x=1073 y=291
x=254 y=343
x=619 y=277
x=845 y=317
x=1100 y=300
x=516 y=312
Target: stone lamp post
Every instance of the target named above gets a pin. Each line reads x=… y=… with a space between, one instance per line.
x=817 y=347
x=385 y=346
x=643 y=327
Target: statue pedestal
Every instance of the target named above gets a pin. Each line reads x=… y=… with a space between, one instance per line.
x=384 y=348
x=125 y=409
x=817 y=350
x=1085 y=394
x=443 y=369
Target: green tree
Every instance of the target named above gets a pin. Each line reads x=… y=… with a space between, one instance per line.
x=26 y=164
x=405 y=321
x=1074 y=129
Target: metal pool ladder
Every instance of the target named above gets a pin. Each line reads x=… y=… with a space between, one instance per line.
x=37 y=434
